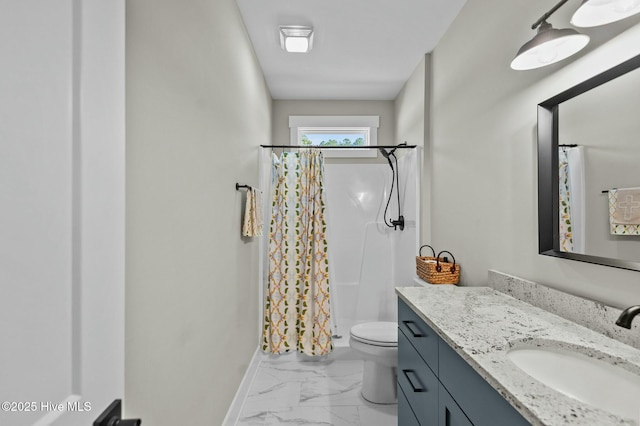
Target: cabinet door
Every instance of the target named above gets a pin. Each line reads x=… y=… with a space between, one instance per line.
x=405 y=413
x=482 y=404
x=449 y=413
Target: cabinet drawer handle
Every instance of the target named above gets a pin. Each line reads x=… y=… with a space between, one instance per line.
x=411 y=326
x=417 y=380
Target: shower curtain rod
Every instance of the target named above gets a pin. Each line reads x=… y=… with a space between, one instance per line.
x=339 y=147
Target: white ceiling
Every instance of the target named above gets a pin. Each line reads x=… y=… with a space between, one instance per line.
x=363 y=49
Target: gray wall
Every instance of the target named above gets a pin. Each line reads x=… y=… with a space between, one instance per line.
x=197 y=109
x=483 y=144
x=410 y=106
x=412 y=114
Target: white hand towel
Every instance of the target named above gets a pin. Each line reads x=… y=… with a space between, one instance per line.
x=253 y=224
x=257 y=202
x=624 y=211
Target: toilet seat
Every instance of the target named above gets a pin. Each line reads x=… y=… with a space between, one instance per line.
x=384 y=334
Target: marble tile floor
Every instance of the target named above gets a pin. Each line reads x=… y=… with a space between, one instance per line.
x=292 y=390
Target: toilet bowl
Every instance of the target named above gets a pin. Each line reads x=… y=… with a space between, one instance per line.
x=377 y=344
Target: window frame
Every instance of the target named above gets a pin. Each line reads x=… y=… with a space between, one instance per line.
x=337 y=124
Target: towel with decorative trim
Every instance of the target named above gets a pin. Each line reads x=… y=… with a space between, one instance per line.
x=253 y=224
x=624 y=211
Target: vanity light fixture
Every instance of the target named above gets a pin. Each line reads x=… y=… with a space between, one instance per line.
x=549 y=45
x=592 y=13
x=296 y=38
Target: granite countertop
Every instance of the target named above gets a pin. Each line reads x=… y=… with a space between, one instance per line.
x=482 y=324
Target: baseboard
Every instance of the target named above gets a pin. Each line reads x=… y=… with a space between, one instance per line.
x=233 y=413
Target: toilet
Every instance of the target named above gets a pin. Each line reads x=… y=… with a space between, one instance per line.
x=377 y=344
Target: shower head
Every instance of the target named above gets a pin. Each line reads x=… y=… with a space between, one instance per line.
x=387 y=155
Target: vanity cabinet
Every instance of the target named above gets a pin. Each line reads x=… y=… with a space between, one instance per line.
x=437 y=387
x=417 y=382
x=449 y=413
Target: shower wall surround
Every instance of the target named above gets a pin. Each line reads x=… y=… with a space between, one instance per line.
x=369 y=259
x=588 y=313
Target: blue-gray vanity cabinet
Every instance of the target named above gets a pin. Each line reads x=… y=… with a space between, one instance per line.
x=449 y=413
x=439 y=386
x=406 y=417
x=417 y=382
x=419 y=334
x=482 y=404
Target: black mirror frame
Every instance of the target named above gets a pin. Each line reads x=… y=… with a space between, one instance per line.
x=548 y=178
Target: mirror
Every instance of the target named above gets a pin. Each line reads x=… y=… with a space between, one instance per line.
x=588 y=145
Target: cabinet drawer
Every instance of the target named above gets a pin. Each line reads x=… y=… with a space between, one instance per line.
x=421 y=336
x=405 y=413
x=417 y=381
x=483 y=405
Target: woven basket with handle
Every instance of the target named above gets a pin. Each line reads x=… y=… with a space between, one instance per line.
x=436 y=269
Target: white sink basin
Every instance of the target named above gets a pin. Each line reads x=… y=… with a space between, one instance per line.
x=587 y=379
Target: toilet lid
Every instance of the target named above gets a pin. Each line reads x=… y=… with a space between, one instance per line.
x=376 y=333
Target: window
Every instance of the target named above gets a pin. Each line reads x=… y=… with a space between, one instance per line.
x=336 y=131
x=339 y=136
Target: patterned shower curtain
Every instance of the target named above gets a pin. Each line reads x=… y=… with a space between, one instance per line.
x=297 y=314
x=566 y=237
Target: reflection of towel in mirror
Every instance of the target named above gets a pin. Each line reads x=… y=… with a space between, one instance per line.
x=252 y=226
x=624 y=211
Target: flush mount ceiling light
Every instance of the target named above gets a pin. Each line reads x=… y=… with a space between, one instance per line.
x=593 y=13
x=549 y=45
x=296 y=38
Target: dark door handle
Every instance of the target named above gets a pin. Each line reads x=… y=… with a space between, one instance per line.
x=112 y=416
x=415 y=388
x=412 y=327
x=127 y=422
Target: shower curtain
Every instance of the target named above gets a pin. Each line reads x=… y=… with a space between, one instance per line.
x=297 y=313
x=572 y=211
x=566 y=238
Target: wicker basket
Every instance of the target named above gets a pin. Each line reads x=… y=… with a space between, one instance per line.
x=421 y=261
x=437 y=270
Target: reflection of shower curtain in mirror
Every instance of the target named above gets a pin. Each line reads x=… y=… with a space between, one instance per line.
x=572 y=222
x=566 y=237
x=296 y=315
